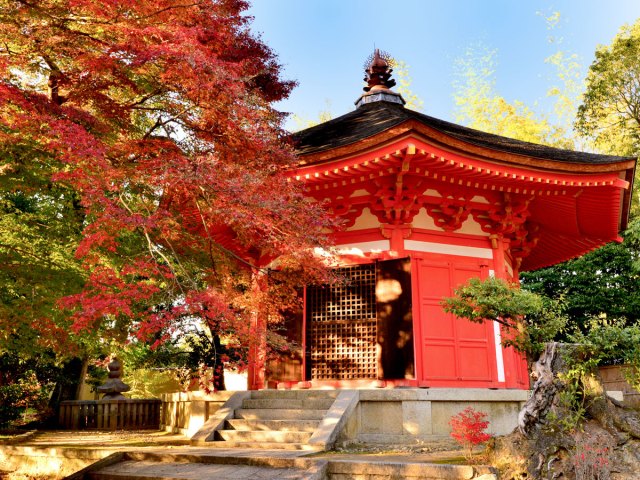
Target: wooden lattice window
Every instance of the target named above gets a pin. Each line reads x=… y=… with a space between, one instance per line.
x=342 y=326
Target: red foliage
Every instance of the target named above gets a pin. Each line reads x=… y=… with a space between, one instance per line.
x=468 y=428
x=159 y=113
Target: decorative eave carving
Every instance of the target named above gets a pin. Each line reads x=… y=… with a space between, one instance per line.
x=394 y=182
x=504 y=217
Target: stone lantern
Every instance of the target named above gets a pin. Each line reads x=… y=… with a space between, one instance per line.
x=114 y=386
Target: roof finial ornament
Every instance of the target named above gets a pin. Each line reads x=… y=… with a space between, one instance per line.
x=378 y=70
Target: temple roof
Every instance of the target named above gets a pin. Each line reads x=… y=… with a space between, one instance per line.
x=575 y=201
x=373 y=118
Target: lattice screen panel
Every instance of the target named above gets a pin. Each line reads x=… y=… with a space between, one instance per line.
x=342 y=326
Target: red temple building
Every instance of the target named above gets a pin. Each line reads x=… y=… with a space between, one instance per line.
x=426 y=205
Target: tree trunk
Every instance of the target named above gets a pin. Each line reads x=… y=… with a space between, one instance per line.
x=569 y=433
x=218 y=365
x=83 y=375
x=66 y=386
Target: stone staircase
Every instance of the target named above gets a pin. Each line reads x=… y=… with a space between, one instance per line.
x=195 y=465
x=276 y=419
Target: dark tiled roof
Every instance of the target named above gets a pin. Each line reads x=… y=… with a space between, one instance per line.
x=377 y=117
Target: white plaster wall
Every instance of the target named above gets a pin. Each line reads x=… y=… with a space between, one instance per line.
x=471 y=227
x=365 y=220
x=423 y=220
x=363 y=247
x=447 y=249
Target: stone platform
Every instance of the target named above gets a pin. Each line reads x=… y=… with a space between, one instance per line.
x=379 y=416
x=145 y=455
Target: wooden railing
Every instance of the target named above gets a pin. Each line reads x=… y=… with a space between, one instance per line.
x=613 y=378
x=129 y=414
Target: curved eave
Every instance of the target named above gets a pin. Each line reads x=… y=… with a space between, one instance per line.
x=624 y=167
x=535 y=262
x=578 y=210
x=454 y=144
x=573 y=225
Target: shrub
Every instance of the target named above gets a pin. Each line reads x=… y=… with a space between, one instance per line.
x=16 y=398
x=9 y=398
x=468 y=429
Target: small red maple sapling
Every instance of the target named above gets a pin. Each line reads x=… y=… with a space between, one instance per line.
x=468 y=429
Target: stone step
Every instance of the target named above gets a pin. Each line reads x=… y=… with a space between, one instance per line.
x=145 y=470
x=260 y=445
x=417 y=471
x=300 y=404
x=261 y=436
x=279 y=414
x=279 y=425
x=295 y=394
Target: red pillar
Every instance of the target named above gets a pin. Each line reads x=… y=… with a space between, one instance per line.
x=515 y=365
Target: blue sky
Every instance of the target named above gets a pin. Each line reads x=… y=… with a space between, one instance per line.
x=323 y=44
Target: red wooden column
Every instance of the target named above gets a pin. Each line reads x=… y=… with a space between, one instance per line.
x=514 y=365
x=498 y=246
x=396 y=235
x=258 y=338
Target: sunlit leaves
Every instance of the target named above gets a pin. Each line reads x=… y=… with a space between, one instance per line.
x=156 y=117
x=611 y=109
x=479 y=106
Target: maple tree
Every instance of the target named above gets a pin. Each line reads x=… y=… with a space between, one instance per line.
x=468 y=429
x=155 y=117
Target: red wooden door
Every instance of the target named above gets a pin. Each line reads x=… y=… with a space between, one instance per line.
x=454 y=352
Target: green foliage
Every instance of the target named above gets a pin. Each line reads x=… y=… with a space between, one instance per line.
x=532 y=319
x=578 y=388
x=572 y=401
x=16 y=397
x=187 y=360
x=9 y=397
x=150 y=383
x=610 y=341
x=492 y=299
x=601 y=283
x=148 y=371
x=632 y=243
x=604 y=342
x=546 y=325
x=610 y=112
x=40 y=226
